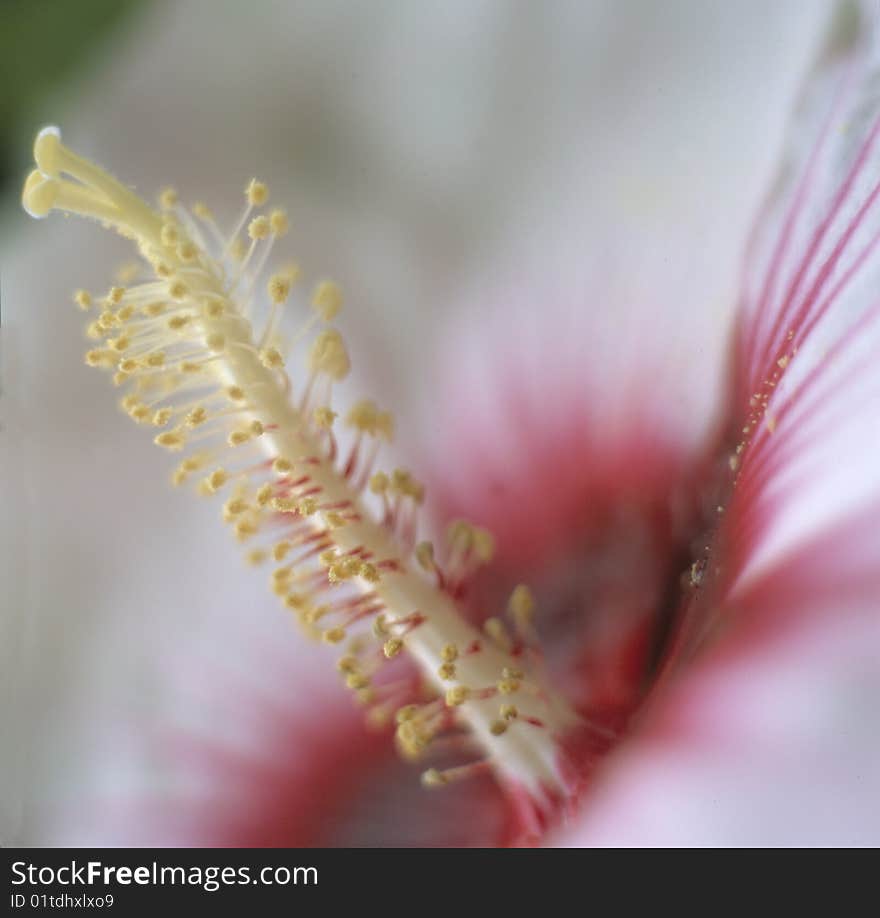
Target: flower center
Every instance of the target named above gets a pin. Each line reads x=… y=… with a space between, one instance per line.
x=197 y=346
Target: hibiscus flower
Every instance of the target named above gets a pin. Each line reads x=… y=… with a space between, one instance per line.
x=647 y=554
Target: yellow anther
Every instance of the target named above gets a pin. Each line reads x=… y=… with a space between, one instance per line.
x=176 y=323
x=192 y=463
x=508 y=711
x=156 y=359
x=235 y=506
x=425 y=556
x=281 y=549
x=457 y=696
x=508 y=686
x=327 y=300
x=215 y=342
x=169 y=235
x=521 y=604
x=495 y=629
x=362 y=416
x=244 y=529
x=120 y=377
x=127 y=365
x=307 y=506
x=238 y=437
x=178 y=290
x=257 y=193
x=115 y=295
x=283 y=504
x=153 y=310
x=271 y=358
x=369 y=572
x=282 y=466
x=256 y=428
x=263 y=495
x=168 y=198
x=107 y=320
x=94 y=331
x=170 y=439
x=406 y=713
x=484 y=545
x=187 y=366
x=162 y=417
x=347 y=664
x=140 y=413
x=214 y=308
x=434 y=778
x=202 y=211
x=334 y=519
x=357 y=681
x=125 y=313
x=449 y=653
x=196 y=417
x=498 y=727
x=392 y=647
x=379 y=483
x=328 y=355
x=187 y=251
x=258 y=228
x=235 y=394
x=278 y=288
x=324 y=417
x=296 y=601
x=334 y=635
x=83 y=299
x=446 y=671
x=255 y=557
x=278 y=223
x=100 y=358
x=216 y=480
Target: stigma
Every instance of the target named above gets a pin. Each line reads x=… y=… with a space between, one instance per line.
x=195 y=336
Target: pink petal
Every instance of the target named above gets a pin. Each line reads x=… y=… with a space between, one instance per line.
x=771 y=737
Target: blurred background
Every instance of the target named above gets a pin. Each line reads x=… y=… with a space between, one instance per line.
x=424 y=150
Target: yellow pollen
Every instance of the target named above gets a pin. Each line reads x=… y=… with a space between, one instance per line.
x=271 y=358
x=327 y=300
x=170 y=439
x=379 y=483
x=278 y=223
x=83 y=299
x=425 y=556
x=168 y=198
x=257 y=193
x=328 y=355
x=258 y=228
x=334 y=635
x=457 y=696
x=446 y=671
x=278 y=288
